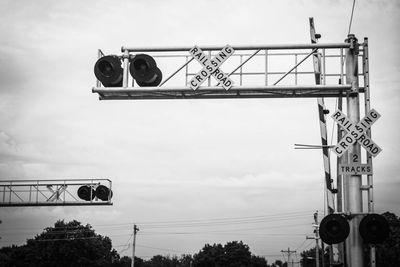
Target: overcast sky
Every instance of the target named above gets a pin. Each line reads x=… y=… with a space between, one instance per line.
x=189 y=159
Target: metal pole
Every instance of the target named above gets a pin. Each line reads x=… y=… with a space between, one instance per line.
x=266 y=67
x=237 y=47
x=353 y=199
x=135 y=230
x=125 y=73
x=316 y=239
x=367 y=100
x=339 y=181
x=99 y=55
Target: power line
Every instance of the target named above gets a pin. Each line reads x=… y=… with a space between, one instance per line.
x=189 y=223
x=229 y=219
x=305 y=245
x=164 y=249
x=305 y=240
x=222 y=223
x=351 y=17
x=127 y=244
x=65 y=239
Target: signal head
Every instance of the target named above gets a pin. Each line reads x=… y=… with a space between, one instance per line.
x=374 y=228
x=108 y=71
x=103 y=193
x=144 y=70
x=334 y=229
x=86 y=192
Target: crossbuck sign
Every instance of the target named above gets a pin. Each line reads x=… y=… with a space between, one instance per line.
x=356 y=133
x=211 y=67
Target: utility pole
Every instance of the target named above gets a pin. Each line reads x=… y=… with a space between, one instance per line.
x=353 y=193
x=289 y=252
x=316 y=231
x=135 y=230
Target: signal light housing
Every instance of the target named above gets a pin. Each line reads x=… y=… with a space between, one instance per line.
x=103 y=193
x=144 y=70
x=108 y=71
x=86 y=192
x=334 y=229
x=374 y=228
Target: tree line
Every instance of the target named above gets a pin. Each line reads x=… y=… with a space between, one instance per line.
x=73 y=244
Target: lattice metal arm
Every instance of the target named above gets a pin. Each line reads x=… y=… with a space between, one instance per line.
x=54 y=192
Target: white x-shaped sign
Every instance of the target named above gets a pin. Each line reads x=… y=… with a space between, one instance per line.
x=211 y=67
x=56 y=193
x=356 y=133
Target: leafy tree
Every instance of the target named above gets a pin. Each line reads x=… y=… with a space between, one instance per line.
x=65 y=244
x=233 y=254
x=158 y=260
x=167 y=261
x=387 y=253
x=186 y=260
x=126 y=261
x=236 y=254
x=257 y=261
x=308 y=257
x=209 y=256
x=277 y=263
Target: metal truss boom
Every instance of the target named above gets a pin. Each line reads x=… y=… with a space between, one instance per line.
x=25 y=193
x=237 y=47
x=218 y=92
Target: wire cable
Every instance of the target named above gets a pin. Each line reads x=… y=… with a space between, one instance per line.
x=164 y=249
x=181 y=223
x=351 y=17
x=305 y=240
x=127 y=244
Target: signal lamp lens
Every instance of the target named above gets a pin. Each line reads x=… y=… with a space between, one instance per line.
x=334 y=229
x=108 y=71
x=86 y=192
x=103 y=193
x=374 y=228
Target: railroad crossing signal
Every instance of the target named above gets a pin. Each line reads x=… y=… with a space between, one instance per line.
x=374 y=228
x=335 y=228
x=64 y=192
x=356 y=133
x=108 y=71
x=144 y=70
x=88 y=193
x=211 y=67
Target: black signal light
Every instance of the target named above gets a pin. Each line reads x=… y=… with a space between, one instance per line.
x=86 y=192
x=103 y=193
x=334 y=229
x=374 y=228
x=108 y=71
x=144 y=70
